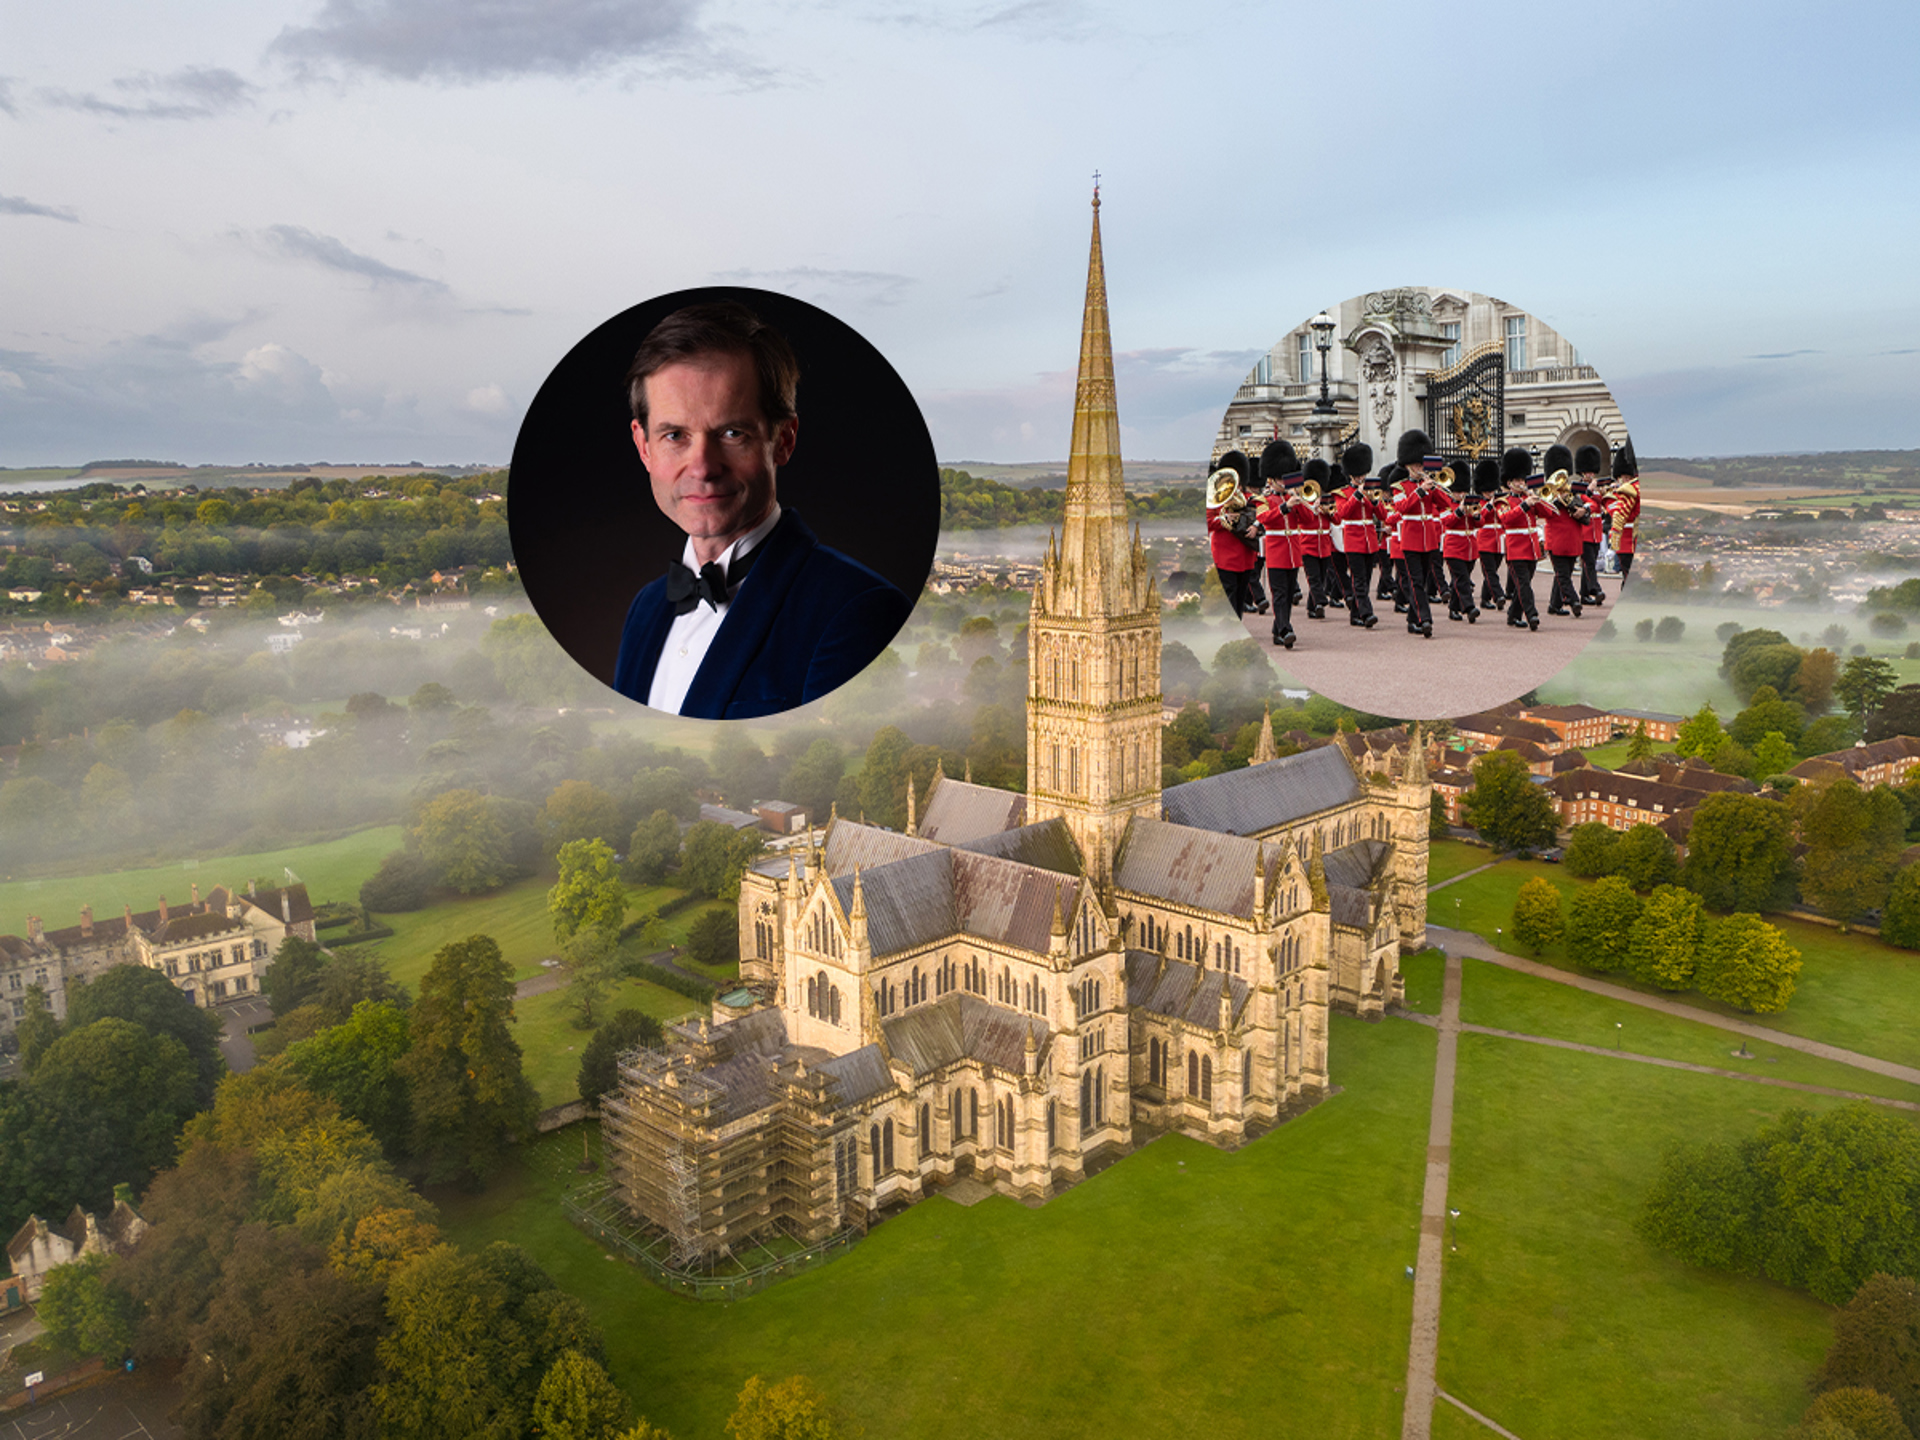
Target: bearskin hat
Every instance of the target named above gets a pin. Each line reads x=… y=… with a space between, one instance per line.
x=1516 y=464
x=1624 y=465
x=1319 y=472
x=1460 y=478
x=1559 y=457
x=1586 y=460
x=1413 y=447
x=1235 y=461
x=1278 y=459
x=1358 y=461
x=1486 y=476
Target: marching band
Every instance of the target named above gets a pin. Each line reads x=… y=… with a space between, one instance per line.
x=1424 y=522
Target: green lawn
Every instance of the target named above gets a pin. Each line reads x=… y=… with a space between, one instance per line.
x=552 y=1045
x=1185 y=1291
x=1613 y=754
x=1534 y=1006
x=332 y=870
x=516 y=917
x=1558 y=1319
x=1853 y=991
x=1448 y=858
x=1424 y=978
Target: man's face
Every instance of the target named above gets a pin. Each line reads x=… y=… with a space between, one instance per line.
x=709 y=451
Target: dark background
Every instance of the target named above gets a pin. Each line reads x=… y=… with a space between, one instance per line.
x=586 y=533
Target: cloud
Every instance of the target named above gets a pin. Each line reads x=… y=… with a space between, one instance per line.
x=7 y=106
x=194 y=92
x=20 y=205
x=488 y=400
x=296 y=242
x=880 y=287
x=1785 y=354
x=455 y=41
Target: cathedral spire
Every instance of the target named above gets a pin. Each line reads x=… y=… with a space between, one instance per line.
x=1093 y=539
x=1264 y=749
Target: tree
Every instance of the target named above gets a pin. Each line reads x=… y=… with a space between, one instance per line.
x=400 y=884
x=1536 y=915
x=84 y=1311
x=1665 y=942
x=1643 y=629
x=1747 y=963
x=1900 y=919
x=1645 y=857
x=576 y=811
x=1876 y=1343
x=576 y=1401
x=593 y=964
x=599 y=1063
x=1701 y=735
x=1600 y=923
x=814 y=777
x=791 y=1409
x=463 y=842
x=714 y=939
x=356 y=1064
x=1670 y=630
x=1767 y=712
x=589 y=894
x=470 y=1098
x=294 y=976
x=1438 y=823
x=1864 y=682
x=1739 y=853
x=740 y=768
x=1896 y=714
x=654 y=845
x=666 y=788
x=1856 y=1411
x=883 y=778
x=1774 y=755
x=1506 y=807
x=712 y=857
x=1640 y=746
x=1814 y=681
x=36 y=1030
x=158 y=1006
x=1590 y=849
x=1853 y=838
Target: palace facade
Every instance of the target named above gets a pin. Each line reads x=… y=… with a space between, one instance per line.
x=1021 y=986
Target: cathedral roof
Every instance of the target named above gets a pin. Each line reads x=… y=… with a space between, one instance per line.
x=963 y=1027
x=1262 y=797
x=958 y=812
x=1192 y=867
x=1181 y=991
x=920 y=899
x=1047 y=844
x=848 y=845
x=858 y=1075
x=1352 y=871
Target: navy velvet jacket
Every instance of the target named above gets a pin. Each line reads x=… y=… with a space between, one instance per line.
x=805 y=621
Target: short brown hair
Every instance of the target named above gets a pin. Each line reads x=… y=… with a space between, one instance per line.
x=722 y=328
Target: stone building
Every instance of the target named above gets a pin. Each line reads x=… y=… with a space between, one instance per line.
x=1388 y=345
x=37 y=1247
x=1021 y=986
x=214 y=949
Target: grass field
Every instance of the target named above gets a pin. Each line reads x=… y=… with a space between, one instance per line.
x=1559 y=1320
x=1185 y=1291
x=551 y=1046
x=332 y=870
x=1448 y=858
x=1853 y=991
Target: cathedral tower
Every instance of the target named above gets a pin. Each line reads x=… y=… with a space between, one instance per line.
x=1093 y=643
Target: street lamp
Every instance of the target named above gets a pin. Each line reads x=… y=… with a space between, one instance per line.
x=1323 y=327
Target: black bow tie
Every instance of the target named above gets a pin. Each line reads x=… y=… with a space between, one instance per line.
x=685 y=589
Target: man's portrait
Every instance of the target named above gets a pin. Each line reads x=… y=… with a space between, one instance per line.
x=770 y=517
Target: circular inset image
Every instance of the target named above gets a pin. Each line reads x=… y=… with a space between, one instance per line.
x=1425 y=501
x=723 y=503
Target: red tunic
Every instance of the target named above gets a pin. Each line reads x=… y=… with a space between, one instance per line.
x=1356 y=515
x=1458 y=540
x=1624 y=507
x=1521 y=541
x=1421 y=517
x=1317 y=530
x=1280 y=535
x=1488 y=539
x=1563 y=532
x=1230 y=552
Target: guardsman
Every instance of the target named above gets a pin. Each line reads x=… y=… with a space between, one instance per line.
x=1358 y=517
x=1393 y=570
x=1520 y=541
x=1624 y=506
x=1586 y=478
x=1459 y=543
x=1233 y=557
x=1565 y=520
x=1316 y=539
x=1421 y=506
x=1284 y=519
x=1486 y=488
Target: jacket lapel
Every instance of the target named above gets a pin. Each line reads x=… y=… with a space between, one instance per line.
x=750 y=617
x=635 y=677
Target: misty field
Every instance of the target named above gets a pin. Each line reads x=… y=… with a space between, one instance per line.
x=332 y=870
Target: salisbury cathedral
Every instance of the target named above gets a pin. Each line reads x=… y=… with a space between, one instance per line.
x=1020 y=987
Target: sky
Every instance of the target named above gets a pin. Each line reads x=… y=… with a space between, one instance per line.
x=365 y=230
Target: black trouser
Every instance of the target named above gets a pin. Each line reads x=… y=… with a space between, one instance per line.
x=1235 y=583
x=1285 y=584
x=1256 y=596
x=1520 y=592
x=1360 y=574
x=1590 y=591
x=1391 y=572
x=1316 y=568
x=1626 y=565
x=1422 y=568
x=1492 y=597
x=1460 y=600
x=1562 y=596
x=1339 y=583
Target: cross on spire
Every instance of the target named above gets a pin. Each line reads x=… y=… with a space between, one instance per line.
x=1096 y=187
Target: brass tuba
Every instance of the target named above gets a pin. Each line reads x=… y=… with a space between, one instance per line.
x=1310 y=492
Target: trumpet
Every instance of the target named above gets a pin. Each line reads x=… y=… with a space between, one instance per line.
x=1310 y=492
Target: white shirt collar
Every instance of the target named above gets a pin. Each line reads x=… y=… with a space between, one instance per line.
x=747 y=542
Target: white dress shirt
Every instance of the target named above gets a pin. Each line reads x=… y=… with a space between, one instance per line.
x=692 y=633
